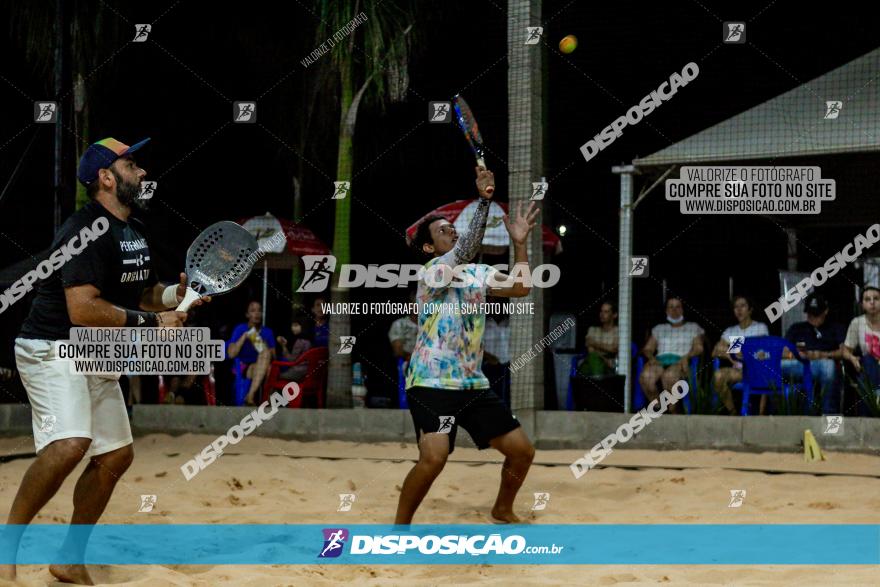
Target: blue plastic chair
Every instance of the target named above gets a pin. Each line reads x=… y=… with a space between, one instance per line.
x=762 y=369
x=242 y=383
x=401 y=385
x=639 y=399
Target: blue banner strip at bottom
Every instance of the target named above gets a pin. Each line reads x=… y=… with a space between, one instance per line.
x=298 y=544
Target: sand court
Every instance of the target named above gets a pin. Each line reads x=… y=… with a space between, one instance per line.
x=272 y=481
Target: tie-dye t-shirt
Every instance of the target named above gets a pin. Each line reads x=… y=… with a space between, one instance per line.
x=449 y=347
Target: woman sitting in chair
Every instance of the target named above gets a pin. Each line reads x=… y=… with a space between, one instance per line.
x=292 y=349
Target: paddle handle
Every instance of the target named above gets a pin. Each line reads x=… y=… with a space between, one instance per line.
x=188 y=299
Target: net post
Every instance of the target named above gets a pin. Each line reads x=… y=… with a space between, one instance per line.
x=624 y=290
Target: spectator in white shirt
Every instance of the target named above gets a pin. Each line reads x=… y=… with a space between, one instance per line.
x=727 y=376
x=673 y=343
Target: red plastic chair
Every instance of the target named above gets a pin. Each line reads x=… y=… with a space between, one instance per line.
x=314 y=383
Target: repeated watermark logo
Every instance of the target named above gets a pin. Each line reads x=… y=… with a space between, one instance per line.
x=148 y=190
x=539 y=190
x=244 y=112
x=447 y=544
x=645 y=107
x=737 y=498
x=340 y=189
x=47 y=423
x=267 y=245
x=45 y=112
x=832 y=109
x=346 y=500
x=446 y=424
x=539 y=346
x=334 y=541
x=638 y=267
x=823 y=273
x=58 y=257
x=626 y=431
x=148 y=502
x=750 y=190
x=734 y=33
x=141 y=32
x=139 y=351
x=736 y=343
x=320 y=268
x=833 y=424
x=533 y=34
x=331 y=41
x=439 y=112
x=238 y=432
x=541 y=501
x=346 y=345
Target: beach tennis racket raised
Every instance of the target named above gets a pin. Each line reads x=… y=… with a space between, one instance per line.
x=218 y=261
x=468 y=124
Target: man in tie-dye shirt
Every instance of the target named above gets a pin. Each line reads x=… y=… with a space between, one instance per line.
x=445 y=386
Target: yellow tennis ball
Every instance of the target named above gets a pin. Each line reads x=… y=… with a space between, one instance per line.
x=568 y=44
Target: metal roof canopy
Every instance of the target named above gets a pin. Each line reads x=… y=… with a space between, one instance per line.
x=792 y=124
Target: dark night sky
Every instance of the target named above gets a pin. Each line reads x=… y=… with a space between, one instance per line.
x=178 y=87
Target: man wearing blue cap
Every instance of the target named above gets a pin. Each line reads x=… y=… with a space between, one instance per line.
x=100 y=275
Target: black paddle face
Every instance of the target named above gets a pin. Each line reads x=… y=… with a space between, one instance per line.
x=220 y=258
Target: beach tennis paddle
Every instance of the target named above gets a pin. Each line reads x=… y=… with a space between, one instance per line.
x=218 y=261
x=468 y=124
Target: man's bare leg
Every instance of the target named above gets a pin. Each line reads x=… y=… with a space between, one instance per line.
x=433 y=452
x=258 y=373
x=40 y=483
x=90 y=497
x=518 y=455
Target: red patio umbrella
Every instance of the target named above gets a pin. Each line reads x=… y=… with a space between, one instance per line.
x=280 y=253
x=495 y=239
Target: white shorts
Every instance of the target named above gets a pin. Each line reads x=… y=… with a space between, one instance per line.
x=69 y=405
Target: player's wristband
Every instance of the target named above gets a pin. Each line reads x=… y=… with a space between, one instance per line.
x=141 y=319
x=169 y=296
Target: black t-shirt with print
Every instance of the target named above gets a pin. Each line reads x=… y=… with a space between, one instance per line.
x=117 y=263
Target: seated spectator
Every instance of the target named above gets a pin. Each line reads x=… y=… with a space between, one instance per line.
x=602 y=344
x=864 y=333
x=818 y=340
x=496 y=353
x=254 y=345
x=293 y=349
x=322 y=325
x=729 y=375
x=674 y=343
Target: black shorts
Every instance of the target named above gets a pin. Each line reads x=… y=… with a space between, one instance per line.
x=479 y=411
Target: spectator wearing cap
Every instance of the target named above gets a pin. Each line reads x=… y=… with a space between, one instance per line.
x=818 y=340
x=864 y=334
x=745 y=327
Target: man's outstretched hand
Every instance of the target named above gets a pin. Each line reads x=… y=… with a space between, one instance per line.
x=522 y=223
x=485 y=182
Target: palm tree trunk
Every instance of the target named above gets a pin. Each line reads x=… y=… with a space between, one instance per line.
x=339 y=377
x=525 y=166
